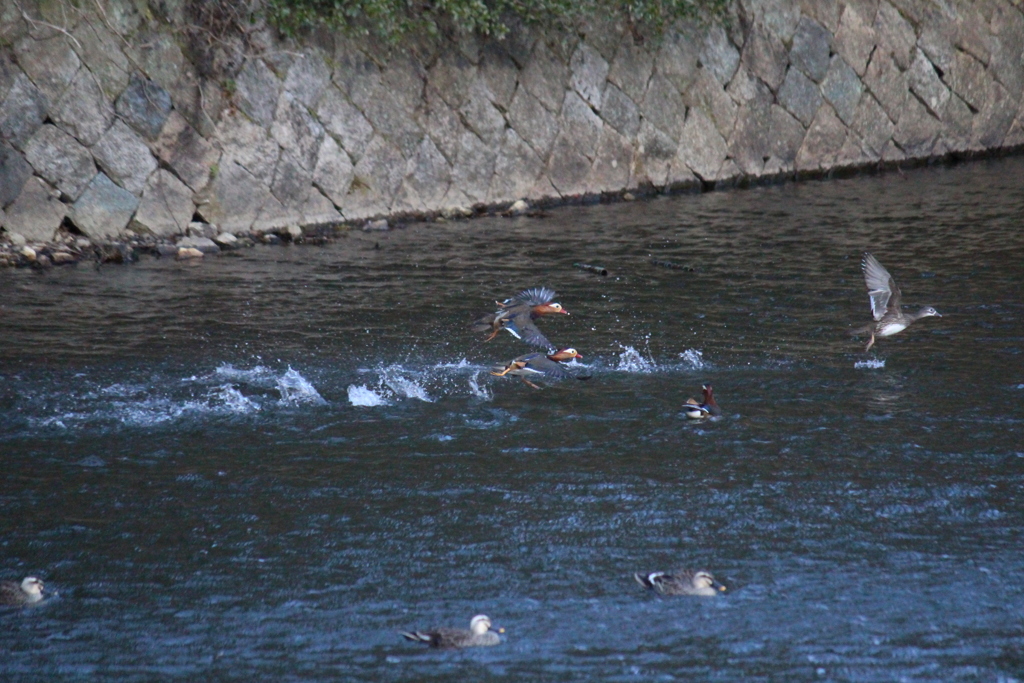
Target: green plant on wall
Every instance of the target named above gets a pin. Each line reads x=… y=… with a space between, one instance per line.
x=393 y=19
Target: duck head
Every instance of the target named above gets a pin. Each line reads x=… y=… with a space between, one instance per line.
x=928 y=311
x=704 y=579
x=481 y=624
x=565 y=355
x=33 y=587
x=549 y=308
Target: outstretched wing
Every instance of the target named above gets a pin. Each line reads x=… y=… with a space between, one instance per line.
x=517 y=363
x=535 y=296
x=553 y=369
x=882 y=289
x=523 y=327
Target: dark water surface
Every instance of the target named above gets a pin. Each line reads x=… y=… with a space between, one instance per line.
x=191 y=458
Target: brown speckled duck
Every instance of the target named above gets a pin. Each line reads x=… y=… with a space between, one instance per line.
x=480 y=634
x=516 y=314
x=885 y=299
x=29 y=591
x=539 y=366
x=681 y=582
x=708 y=407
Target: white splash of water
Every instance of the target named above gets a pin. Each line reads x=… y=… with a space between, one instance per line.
x=694 y=358
x=363 y=396
x=872 y=364
x=461 y=365
x=123 y=390
x=478 y=391
x=393 y=377
x=631 y=360
x=296 y=389
x=257 y=375
x=154 y=411
x=234 y=400
x=144 y=413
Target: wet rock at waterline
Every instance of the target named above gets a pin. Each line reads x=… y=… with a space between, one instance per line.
x=226 y=240
x=63 y=257
x=202 y=244
x=186 y=253
x=376 y=226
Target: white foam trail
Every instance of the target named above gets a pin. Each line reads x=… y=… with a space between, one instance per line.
x=461 y=365
x=257 y=375
x=630 y=360
x=123 y=390
x=365 y=397
x=54 y=422
x=234 y=400
x=153 y=411
x=872 y=364
x=694 y=358
x=477 y=390
x=296 y=389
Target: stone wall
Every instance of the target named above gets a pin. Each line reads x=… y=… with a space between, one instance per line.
x=107 y=122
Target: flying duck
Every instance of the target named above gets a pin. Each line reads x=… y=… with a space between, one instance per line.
x=516 y=314
x=885 y=298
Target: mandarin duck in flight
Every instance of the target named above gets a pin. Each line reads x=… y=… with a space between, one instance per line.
x=539 y=366
x=516 y=314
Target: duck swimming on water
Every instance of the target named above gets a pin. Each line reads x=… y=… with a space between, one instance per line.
x=885 y=297
x=480 y=634
x=706 y=408
x=516 y=314
x=681 y=582
x=29 y=591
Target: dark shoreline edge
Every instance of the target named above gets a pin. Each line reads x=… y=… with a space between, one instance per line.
x=69 y=248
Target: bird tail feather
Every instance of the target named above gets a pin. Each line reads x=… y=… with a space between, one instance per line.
x=643 y=580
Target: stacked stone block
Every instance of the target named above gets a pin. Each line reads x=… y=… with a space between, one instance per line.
x=106 y=125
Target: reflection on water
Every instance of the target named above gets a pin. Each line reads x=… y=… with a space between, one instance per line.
x=266 y=466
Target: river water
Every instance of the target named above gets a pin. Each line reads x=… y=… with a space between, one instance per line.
x=266 y=465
